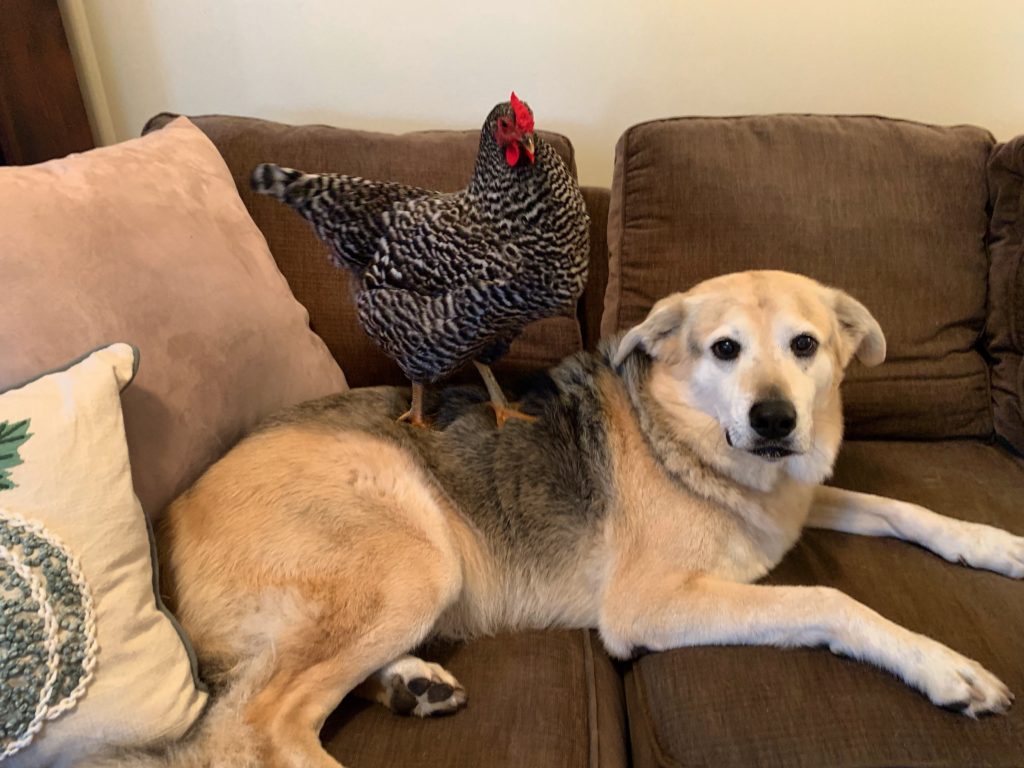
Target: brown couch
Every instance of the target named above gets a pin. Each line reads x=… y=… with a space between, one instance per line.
x=926 y=226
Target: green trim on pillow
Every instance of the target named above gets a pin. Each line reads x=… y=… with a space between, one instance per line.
x=68 y=366
x=185 y=641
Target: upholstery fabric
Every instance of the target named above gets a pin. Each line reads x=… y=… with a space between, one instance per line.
x=539 y=699
x=891 y=211
x=441 y=160
x=70 y=482
x=1005 y=336
x=147 y=241
x=807 y=708
x=592 y=303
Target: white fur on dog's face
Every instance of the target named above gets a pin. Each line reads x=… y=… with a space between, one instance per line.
x=742 y=339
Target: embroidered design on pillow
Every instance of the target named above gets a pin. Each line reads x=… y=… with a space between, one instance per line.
x=47 y=629
x=11 y=438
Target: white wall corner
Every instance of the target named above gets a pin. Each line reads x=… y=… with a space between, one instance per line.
x=90 y=77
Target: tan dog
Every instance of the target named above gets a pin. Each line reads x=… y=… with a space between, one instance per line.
x=660 y=478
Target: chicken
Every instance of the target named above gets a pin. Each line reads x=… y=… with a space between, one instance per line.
x=449 y=278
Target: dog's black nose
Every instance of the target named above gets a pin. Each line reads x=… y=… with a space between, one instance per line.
x=773 y=418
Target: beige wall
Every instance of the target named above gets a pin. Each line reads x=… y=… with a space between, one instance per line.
x=588 y=69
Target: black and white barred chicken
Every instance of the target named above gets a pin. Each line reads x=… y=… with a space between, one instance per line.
x=449 y=278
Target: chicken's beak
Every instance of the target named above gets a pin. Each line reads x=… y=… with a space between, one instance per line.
x=527 y=143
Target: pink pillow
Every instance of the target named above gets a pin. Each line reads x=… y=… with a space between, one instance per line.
x=148 y=242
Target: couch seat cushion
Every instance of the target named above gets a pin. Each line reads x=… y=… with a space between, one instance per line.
x=441 y=160
x=893 y=212
x=793 y=708
x=538 y=699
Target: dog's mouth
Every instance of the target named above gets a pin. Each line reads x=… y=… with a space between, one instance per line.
x=771 y=451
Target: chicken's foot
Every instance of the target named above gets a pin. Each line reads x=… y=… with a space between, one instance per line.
x=414 y=416
x=502 y=410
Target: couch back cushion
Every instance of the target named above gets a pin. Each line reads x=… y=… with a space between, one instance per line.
x=441 y=160
x=891 y=211
x=1005 y=331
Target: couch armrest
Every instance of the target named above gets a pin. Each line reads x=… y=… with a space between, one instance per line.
x=1004 y=337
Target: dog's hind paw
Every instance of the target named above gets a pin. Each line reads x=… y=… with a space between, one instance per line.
x=411 y=686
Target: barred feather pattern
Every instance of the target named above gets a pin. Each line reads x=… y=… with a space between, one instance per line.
x=446 y=278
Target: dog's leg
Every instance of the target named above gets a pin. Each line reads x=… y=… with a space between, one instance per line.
x=290 y=710
x=644 y=610
x=973 y=544
x=362 y=614
x=411 y=686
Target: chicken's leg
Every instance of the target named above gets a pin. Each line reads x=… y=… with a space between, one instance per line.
x=502 y=410
x=415 y=413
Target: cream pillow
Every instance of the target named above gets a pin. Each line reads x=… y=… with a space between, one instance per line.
x=88 y=655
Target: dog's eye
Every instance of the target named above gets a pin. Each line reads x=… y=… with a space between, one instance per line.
x=726 y=349
x=804 y=345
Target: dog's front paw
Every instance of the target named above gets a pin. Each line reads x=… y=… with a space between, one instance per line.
x=957 y=683
x=982 y=546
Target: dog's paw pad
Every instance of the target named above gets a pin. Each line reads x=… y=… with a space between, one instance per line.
x=439 y=692
x=419 y=685
x=424 y=689
x=401 y=701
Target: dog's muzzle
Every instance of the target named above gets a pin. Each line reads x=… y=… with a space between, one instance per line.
x=773 y=422
x=771 y=451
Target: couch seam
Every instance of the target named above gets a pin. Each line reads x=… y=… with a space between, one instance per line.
x=1008 y=158
x=981 y=345
x=1016 y=227
x=622 y=226
x=590 y=681
x=664 y=760
x=1014 y=311
x=572 y=156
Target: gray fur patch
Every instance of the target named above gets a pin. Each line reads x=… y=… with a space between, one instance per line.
x=536 y=490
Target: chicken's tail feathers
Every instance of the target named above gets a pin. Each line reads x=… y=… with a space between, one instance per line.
x=273 y=180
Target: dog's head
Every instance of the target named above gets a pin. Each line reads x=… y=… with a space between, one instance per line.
x=748 y=367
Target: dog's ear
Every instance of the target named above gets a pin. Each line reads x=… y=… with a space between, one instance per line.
x=662 y=322
x=860 y=334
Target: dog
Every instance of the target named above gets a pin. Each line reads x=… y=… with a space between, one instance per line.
x=661 y=477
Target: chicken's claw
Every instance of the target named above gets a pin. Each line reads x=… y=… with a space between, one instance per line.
x=505 y=412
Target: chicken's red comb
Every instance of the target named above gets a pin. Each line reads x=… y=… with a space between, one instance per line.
x=524 y=118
